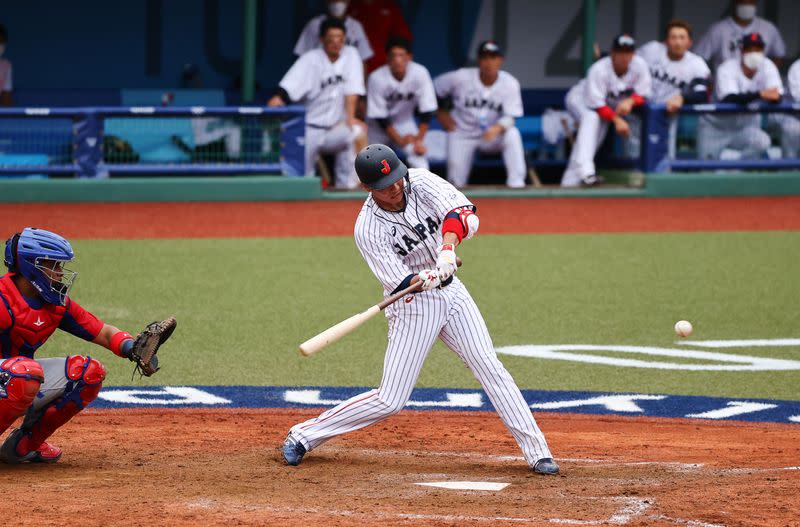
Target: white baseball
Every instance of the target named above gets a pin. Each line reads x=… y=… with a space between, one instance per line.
x=683 y=328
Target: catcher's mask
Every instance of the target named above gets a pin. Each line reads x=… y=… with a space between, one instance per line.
x=40 y=256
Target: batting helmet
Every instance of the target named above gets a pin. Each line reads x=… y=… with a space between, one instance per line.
x=39 y=256
x=378 y=167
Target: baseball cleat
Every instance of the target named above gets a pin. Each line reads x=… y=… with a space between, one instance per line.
x=546 y=466
x=293 y=451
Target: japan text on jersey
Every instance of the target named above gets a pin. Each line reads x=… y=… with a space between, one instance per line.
x=405 y=244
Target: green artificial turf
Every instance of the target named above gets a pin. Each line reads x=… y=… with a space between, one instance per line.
x=244 y=305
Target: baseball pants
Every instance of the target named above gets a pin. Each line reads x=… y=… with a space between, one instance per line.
x=716 y=133
x=592 y=131
x=54 y=386
x=451 y=315
x=338 y=140
x=789 y=128
x=461 y=151
x=378 y=135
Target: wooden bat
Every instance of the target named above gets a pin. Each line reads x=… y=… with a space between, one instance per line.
x=334 y=333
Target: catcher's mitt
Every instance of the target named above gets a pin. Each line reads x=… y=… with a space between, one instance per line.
x=144 y=349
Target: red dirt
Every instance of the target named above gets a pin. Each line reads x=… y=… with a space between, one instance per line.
x=336 y=218
x=222 y=467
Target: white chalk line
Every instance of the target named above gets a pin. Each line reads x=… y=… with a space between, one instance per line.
x=631 y=508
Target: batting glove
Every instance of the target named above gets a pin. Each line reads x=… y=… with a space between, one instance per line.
x=446 y=261
x=430 y=279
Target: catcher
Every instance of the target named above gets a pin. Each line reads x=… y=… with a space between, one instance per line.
x=34 y=302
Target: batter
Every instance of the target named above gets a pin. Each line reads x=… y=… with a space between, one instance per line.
x=407 y=231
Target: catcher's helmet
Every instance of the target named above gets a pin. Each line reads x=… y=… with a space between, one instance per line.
x=379 y=167
x=39 y=256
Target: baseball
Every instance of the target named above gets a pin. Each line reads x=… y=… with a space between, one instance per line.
x=683 y=328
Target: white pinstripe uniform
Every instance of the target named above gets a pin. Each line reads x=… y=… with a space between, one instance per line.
x=322 y=86
x=602 y=87
x=476 y=107
x=397 y=246
x=397 y=100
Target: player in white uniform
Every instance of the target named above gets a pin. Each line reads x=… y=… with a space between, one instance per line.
x=613 y=87
x=722 y=41
x=790 y=124
x=329 y=81
x=355 y=35
x=679 y=76
x=742 y=80
x=407 y=232
x=485 y=101
x=395 y=93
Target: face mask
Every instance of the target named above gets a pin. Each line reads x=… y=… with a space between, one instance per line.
x=753 y=59
x=337 y=9
x=2 y=49
x=746 y=11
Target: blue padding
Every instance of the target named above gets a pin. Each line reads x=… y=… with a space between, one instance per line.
x=530 y=127
x=150 y=138
x=52 y=137
x=24 y=160
x=535 y=101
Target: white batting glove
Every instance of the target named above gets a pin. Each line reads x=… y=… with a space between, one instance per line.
x=446 y=261
x=430 y=279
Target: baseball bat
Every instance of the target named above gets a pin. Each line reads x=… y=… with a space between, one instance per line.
x=336 y=332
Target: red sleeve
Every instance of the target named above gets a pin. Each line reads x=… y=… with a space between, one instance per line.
x=638 y=100
x=606 y=113
x=5 y=317
x=80 y=322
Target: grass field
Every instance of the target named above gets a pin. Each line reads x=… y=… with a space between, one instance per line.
x=244 y=305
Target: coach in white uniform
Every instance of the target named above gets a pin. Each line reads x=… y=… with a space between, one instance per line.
x=407 y=231
x=613 y=87
x=329 y=81
x=741 y=80
x=722 y=41
x=679 y=76
x=354 y=31
x=396 y=92
x=485 y=101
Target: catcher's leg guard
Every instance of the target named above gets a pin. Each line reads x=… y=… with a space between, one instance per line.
x=20 y=378
x=84 y=378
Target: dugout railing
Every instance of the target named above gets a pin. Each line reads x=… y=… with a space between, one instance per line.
x=654 y=156
x=142 y=140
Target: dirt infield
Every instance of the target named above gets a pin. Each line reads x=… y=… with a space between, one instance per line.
x=336 y=218
x=215 y=467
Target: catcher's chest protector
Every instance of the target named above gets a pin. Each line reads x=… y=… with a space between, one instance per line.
x=30 y=327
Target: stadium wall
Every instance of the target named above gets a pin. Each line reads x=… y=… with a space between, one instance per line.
x=276 y=188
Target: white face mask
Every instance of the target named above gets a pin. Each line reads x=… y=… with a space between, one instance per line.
x=753 y=59
x=337 y=9
x=2 y=49
x=746 y=11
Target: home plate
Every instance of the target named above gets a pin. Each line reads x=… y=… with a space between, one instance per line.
x=466 y=485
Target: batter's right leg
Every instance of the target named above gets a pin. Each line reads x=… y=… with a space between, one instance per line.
x=591 y=132
x=460 y=153
x=413 y=328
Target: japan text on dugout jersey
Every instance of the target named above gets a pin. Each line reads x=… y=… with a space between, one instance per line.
x=399 y=99
x=398 y=244
x=322 y=85
x=605 y=88
x=475 y=105
x=671 y=77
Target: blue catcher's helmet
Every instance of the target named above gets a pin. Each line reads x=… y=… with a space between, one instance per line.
x=39 y=256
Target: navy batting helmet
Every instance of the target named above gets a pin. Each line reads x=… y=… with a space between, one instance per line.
x=378 y=167
x=39 y=256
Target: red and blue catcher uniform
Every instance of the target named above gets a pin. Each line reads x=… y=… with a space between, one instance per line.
x=50 y=391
